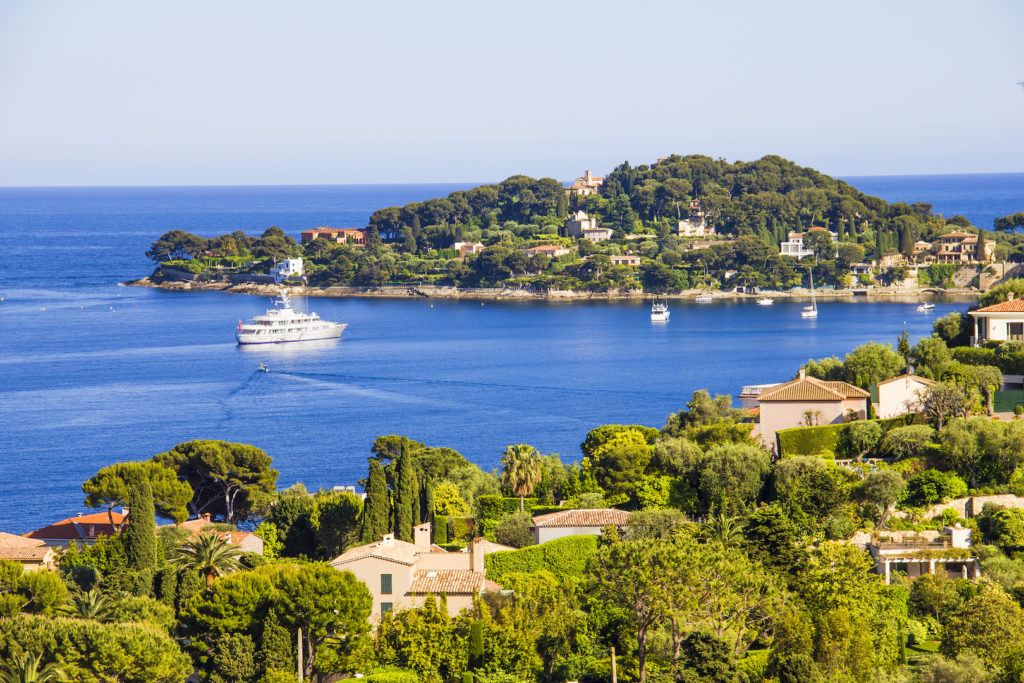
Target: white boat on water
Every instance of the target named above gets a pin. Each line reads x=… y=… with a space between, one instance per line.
x=812 y=310
x=659 y=312
x=766 y=301
x=703 y=299
x=925 y=307
x=284 y=324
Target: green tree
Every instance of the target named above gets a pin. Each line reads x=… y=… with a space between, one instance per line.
x=907 y=442
x=376 y=518
x=210 y=555
x=872 y=363
x=406 y=489
x=234 y=658
x=880 y=490
x=92 y=605
x=140 y=535
x=732 y=473
x=618 y=462
x=990 y=625
x=176 y=245
x=275 y=651
x=705 y=657
x=515 y=530
x=521 y=470
x=337 y=522
x=863 y=437
x=229 y=479
x=110 y=487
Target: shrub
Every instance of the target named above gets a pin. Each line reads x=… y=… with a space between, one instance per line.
x=493 y=508
x=933 y=486
x=563 y=557
x=392 y=675
x=515 y=530
x=463 y=528
x=817 y=441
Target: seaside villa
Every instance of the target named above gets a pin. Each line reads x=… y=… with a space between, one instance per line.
x=926 y=552
x=901 y=395
x=580 y=224
x=999 y=322
x=794 y=246
x=807 y=402
x=401 y=575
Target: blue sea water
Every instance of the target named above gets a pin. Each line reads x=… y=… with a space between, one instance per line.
x=93 y=373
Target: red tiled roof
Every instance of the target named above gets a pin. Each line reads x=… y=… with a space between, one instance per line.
x=450 y=581
x=22 y=553
x=957 y=235
x=811 y=389
x=81 y=527
x=394 y=550
x=1010 y=306
x=12 y=540
x=922 y=380
x=595 y=517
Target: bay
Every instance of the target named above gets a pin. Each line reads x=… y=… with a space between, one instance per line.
x=92 y=373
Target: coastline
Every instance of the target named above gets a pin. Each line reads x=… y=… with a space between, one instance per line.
x=511 y=294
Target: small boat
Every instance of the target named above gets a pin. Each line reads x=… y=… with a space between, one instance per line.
x=262 y=368
x=925 y=307
x=703 y=299
x=765 y=301
x=812 y=310
x=659 y=312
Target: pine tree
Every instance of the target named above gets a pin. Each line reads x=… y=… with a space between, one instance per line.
x=275 y=646
x=406 y=495
x=140 y=534
x=377 y=507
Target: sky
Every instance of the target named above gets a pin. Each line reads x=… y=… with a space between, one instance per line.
x=331 y=91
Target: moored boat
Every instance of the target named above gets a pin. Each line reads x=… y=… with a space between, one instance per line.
x=765 y=301
x=284 y=324
x=925 y=307
x=659 y=312
x=812 y=310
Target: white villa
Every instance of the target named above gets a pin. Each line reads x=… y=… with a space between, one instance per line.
x=901 y=395
x=580 y=224
x=586 y=185
x=795 y=245
x=925 y=552
x=289 y=267
x=999 y=322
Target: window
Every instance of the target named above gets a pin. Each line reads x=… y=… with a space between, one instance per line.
x=1015 y=331
x=386 y=607
x=385 y=584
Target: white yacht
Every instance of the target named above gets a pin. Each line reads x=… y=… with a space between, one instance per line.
x=925 y=307
x=284 y=324
x=704 y=299
x=766 y=301
x=659 y=312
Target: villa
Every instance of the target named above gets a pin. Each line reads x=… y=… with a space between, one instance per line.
x=83 y=528
x=585 y=186
x=549 y=250
x=32 y=554
x=624 y=260
x=288 y=268
x=577 y=523
x=926 y=552
x=962 y=247
x=901 y=395
x=466 y=248
x=352 y=236
x=807 y=402
x=580 y=224
x=794 y=246
x=401 y=575
x=246 y=541
x=999 y=322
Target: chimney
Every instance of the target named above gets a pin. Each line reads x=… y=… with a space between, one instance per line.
x=477 y=561
x=227 y=537
x=802 y=373
x=421 y=535
x=388 y=540
x=1009 y=296
x=205 y=517
x=124 y=511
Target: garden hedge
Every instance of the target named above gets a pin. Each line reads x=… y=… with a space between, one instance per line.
x=564 y=557
x=829 y=441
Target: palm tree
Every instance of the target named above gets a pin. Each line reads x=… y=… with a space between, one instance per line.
x=210 y=555
x=27 y=669
x=92 y=605
x=521 y=470
x=722 y=528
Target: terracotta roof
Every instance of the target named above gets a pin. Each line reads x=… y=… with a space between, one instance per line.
x=398 y=551
x=957 y=234
x=596 y=517
x=492 y=586
x=1011 y=306
x=450 y=581
x=491 y=546
x=811 y=389
x=22 y=553
x=916 y=378
x=199 y=526
x=82 y=527
x=12 y=540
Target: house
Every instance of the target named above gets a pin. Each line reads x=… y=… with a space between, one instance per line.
x=926 y=552
x=750 y=392
x=465 y=248
x=401 y=575
x=32 y=554
x=586 y=185
x=82 y=528
x=340 y=235
x=576 y=523
x=794 y=246
x=901 y=395
x=860 y=269
x=999 y=322
x=962 y=247
x=624 y=260
x=246 y=541
x=694 y=228
x=552 y=251
x=806 y=402
x=289 y=267
x=580 y=224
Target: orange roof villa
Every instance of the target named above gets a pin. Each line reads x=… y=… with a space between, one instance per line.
x=83 y=528
x=788 y=405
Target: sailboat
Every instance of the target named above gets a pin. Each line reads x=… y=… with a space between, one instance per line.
x=812 y=310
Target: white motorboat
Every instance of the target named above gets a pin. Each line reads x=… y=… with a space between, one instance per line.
x=812 y=310
x=659 y=312
x=925 y=307
x=765 y=301
x=262 y=368
x=703 y=299
x=284 y=324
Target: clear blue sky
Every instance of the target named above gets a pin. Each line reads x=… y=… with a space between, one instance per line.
x=231 y=92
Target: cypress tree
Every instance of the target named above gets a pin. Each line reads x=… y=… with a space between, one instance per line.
x=140 y=533
x=416 y=501
x=979 y=254
x=376 y=510
x=405 y=491
x=906 y=241
x=275 y=646
x=879 y=250
x=428 y=504
x=476 y=645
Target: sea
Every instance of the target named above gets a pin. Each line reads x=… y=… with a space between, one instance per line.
x=93 y=372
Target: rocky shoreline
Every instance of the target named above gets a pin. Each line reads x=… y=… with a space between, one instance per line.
x=512 y=294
